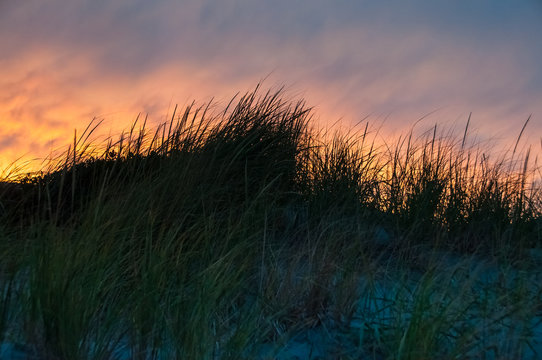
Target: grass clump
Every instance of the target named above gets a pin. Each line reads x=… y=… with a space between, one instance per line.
x=247 y=233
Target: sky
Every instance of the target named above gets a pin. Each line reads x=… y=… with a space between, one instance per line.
x=389 y=62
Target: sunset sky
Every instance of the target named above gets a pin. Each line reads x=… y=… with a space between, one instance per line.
x=62 y=63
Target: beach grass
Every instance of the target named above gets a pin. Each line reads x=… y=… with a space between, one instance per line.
x=250 y=234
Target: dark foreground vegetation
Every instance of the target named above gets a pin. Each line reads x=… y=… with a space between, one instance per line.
x=226 y=235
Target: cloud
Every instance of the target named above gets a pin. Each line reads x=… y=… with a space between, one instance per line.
x=71 y=61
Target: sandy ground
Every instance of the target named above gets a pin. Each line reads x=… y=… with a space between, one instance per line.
x=471 y=278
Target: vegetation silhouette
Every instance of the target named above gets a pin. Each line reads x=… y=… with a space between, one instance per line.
x=220 y=231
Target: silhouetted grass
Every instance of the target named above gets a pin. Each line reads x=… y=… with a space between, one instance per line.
x=219 y=232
